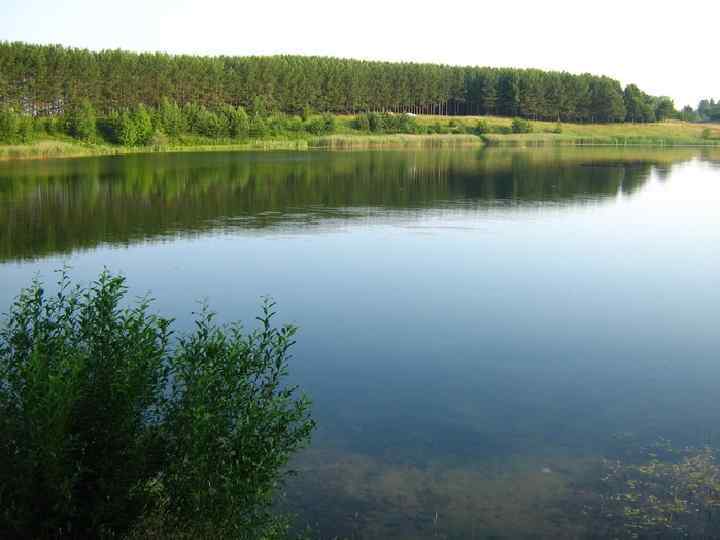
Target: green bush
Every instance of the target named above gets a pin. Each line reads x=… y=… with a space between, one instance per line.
x=457 y=128
x=170 y=118
x=238 y=124
x=108 y=423
x=330 y=122
x=482 y=127
x=52 y=124
x=120 y=129
x=192 y=115
x=399 y=123
x=294 y=124
x=26 y=128
x=520 y=125
x=258 y=128
x=260 y=107
x=9 y=125
x=361 y=122
x=307 y=112
x=81 y=121
x=209 y=124
x=387 y=123
x=277 y=124
x=707 y=134
x=439 y=128
x=143 y=125
x=158 y=138
x=321 y=125
x=376 y=122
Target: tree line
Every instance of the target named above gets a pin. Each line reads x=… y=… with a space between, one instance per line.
x=708 y=110
x=196 y=124
x=47 y=79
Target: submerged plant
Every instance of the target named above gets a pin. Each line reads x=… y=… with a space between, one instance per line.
x=670 y=491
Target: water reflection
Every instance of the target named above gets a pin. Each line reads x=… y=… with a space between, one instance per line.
x=60 y=206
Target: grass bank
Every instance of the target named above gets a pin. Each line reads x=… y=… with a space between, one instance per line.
x=460 y=128
x=52 y=149
x=670 y=133
x=68 y=148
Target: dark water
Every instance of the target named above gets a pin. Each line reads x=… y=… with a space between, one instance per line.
x=478 y=327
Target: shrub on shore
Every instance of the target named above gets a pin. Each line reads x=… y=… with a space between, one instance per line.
x=109 y=423
x=520 y=125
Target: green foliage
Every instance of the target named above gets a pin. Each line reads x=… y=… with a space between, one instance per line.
x=641 y=107
x=361 y=122
x=376 y=121
x=81 y=120
x=664 y=108
x=113 y=80
x=15 y=127
x=307 y=113
x=170 y=118
x=482 y=127
x=192 y=113
x=293 y=124
x=236 y=120
x=26 y=128
x=558 y=129
x=121 y=129
x=707 y=134
x=520 y=125
x=202 y=121
x=259 y=106
x=330 y=122
x=158 y=138
x=258 y=127
x=9 y=125
x=108 y=425
x=688 y=114
x=321 y=125
x=386 y=123
x=234 y=422
x=399 y=123
x=52 y=125
x=606 y=100
x=143 y=125
x=276 y=124
x=80 y=381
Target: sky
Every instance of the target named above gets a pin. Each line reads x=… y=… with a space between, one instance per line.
x=666 y=48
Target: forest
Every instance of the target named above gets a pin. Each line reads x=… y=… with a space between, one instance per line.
x=45 y=80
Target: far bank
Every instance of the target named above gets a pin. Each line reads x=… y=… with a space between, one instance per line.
x=454 y=131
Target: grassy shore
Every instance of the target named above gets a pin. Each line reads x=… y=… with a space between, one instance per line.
x=670 y=133
x=68 y=148
x=63 y=148
x=544 y=133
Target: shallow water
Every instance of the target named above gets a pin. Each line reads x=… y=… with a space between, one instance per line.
x=478 y=327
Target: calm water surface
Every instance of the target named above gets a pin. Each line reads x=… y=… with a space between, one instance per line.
x=478 y=327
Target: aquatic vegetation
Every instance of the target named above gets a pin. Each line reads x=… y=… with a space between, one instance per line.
x=349 y=495
x=668 y=491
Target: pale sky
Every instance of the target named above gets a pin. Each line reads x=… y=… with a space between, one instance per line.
x=666 y=48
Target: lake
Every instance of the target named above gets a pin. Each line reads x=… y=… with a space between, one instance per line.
x=478 y=327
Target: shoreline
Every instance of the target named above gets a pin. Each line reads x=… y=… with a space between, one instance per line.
x=63 y=148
